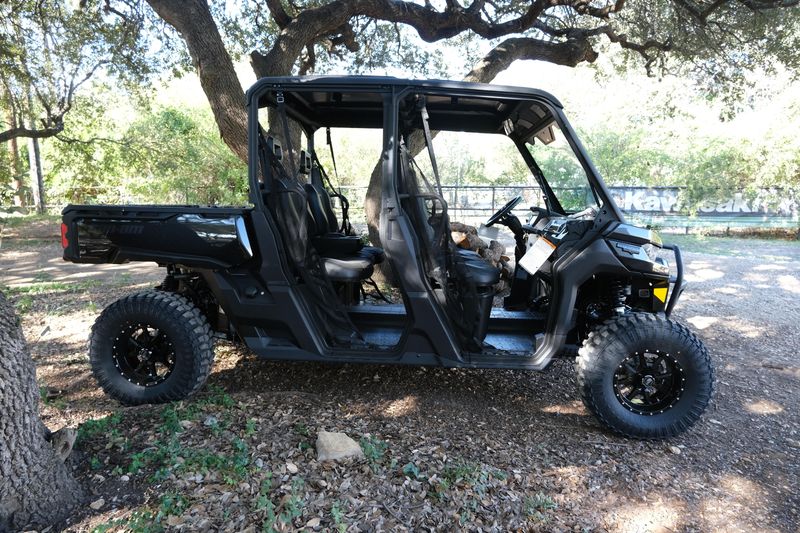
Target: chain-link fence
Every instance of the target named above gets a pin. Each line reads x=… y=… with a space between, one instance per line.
x=662 y=207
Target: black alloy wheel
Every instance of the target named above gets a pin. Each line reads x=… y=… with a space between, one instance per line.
x=649 y=382
x=143 y=354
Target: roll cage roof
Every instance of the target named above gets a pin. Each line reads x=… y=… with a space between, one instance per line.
x=520 y=113
x=357 y=102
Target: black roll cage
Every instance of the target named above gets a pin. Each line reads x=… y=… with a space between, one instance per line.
x=435 y=334
x=394 y=91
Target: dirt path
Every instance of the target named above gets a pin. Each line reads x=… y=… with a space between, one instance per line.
x=447 y=449
x=30 y=252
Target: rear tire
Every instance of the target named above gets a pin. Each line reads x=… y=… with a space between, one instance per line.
x=645 y=376
x=151 y=347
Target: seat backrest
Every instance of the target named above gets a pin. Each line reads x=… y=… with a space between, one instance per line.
x=287 y=200
x=415 y=203
x=319 y=205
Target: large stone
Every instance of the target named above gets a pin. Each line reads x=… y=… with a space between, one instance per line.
x=336 y=446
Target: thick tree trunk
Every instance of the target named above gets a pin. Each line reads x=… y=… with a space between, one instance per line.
x=36 y=488
x=16 y=166
x=37 y=179
x=193 y=20
x=35 y=158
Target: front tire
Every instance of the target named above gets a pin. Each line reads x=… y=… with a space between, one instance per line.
x=151 y=347
x=645 y=376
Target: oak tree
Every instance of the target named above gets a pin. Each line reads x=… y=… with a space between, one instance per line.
x=36 y=488
x=717 y=41
x=49 y=51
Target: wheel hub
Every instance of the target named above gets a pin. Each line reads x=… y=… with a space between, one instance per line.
x=143 y=354
x=649 y=382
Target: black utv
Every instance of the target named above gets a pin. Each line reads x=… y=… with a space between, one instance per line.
x=284 y=275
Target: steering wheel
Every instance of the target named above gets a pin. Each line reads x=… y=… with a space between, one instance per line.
x=504 y=211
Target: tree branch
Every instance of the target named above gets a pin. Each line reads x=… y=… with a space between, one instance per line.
x=22 y=131
x=309 y=62
x=569 y=53
x=193 y=20
x=320 y=23
x=642 y=49
x=92 y=140
x=279 y=14
x=313 y=24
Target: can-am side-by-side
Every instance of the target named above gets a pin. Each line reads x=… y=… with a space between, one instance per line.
x=284 y=275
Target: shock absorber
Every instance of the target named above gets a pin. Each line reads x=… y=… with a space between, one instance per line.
x=618 y=296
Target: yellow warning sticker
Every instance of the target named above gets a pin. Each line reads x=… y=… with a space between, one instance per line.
x=660 y=293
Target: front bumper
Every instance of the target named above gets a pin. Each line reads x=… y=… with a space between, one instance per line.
x=677 y=281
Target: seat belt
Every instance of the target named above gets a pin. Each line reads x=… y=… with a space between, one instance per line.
x=429 y=143
x=263 y=160
x=286 y=133
x=333 y=157
x=345 y=228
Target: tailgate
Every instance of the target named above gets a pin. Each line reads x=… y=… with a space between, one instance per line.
x=201 y=237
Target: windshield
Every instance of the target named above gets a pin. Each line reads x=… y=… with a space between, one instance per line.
x=562 y=170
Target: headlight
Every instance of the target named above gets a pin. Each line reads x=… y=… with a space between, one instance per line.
x=655 y=238
x=651 y=250
x=663 y=265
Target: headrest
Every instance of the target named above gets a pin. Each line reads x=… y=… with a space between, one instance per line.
x=305 y=162
x=275 y=145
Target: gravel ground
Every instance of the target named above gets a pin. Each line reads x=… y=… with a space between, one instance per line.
x=445 y=449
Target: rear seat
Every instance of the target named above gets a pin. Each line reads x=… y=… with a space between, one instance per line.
x=344 y=257
x=321 y=209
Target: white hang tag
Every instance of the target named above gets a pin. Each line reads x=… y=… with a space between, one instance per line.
x=538 y=252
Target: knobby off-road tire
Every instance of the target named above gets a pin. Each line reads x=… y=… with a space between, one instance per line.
x=624 y=347
x=160 y=325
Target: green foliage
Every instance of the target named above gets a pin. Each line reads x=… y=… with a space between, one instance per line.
x=535 y=506
x=186 y=162
x=24 y=303
x=411 y=470
x=301 y=429
x=250 y=427
x=338 y=517
x=99 y=426
x=25 y=295
x=720 y=54
x=467 y=474
x=292 y=506
x=171 y=504
x=164 y=155
x=57 y=403
x=374 y=451
x=168 y=454
x=145 y=520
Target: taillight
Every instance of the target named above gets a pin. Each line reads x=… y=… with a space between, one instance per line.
x=64 y=240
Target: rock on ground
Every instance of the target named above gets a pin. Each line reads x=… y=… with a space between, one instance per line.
x=335 y=446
